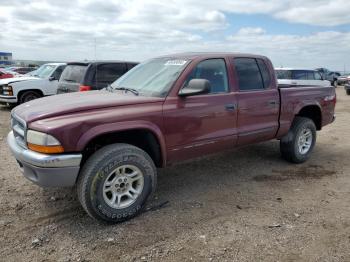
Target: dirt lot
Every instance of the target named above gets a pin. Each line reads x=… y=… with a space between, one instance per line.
x=246 y=205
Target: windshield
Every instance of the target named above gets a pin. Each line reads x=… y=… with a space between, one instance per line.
x=153 y=77
x=44 y=71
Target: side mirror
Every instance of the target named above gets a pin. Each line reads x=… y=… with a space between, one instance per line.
x=52 y=78
x=195 y=87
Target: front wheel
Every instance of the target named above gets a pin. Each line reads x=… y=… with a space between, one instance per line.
x=28 y=96
x=115 y=182
x=298 y=144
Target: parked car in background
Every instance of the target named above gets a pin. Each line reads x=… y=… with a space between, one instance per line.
x=331 y=76
x=21 y=70
x=109 y=143
x=95 y=75
x=6 y=74
x=347 y=88
x=343 y=79
x=22 y=89
x=300 y=77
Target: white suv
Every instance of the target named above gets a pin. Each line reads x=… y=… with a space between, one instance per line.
x=39 y=83
x=300 y=77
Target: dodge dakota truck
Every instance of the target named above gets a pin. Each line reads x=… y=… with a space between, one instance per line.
x=109 y=143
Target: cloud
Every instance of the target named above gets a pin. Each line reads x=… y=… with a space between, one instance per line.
x=251 y=31
x=320 y=12
x=138 y=29
x=310 y=51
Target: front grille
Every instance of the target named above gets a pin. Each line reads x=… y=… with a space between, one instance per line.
x=1 y=89
x=19 y=129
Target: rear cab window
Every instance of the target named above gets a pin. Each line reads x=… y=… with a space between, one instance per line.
x=73 y=73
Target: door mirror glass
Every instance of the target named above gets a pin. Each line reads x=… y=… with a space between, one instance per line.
x=195 y=87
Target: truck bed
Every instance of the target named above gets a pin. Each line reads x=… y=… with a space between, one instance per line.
x=293 y=99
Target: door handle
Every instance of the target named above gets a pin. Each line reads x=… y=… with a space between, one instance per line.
x=230 y=107
x=272 y=102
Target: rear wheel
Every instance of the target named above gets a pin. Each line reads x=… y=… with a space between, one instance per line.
x=28 y=96
x=115 y=182
x=298 y=144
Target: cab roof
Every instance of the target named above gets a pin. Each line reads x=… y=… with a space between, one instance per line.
x=195 y=55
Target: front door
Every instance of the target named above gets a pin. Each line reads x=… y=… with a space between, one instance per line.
x=201 y=124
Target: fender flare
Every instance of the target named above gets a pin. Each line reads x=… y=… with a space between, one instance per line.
x=123 y=126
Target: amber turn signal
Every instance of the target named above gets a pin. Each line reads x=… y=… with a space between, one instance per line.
x=46 y=149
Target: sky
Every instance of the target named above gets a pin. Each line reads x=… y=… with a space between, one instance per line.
x=298 y=33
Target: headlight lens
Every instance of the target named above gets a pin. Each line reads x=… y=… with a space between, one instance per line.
x=43 y=143
x=7 y=90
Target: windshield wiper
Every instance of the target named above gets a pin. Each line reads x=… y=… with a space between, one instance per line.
x=132 y=90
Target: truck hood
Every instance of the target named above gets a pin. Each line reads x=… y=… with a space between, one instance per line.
x=58 y=105
x=17 y=79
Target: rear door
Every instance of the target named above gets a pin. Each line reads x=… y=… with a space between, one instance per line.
x=258 y=100
x=106 y=74
x=71 y=78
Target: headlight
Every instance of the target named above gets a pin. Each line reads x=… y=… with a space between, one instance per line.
x=43 y=143
x=7 y=90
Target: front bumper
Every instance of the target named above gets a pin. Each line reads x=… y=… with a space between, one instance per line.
x=59 y=170
x=7 y=99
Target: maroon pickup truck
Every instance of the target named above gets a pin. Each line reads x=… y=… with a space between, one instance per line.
x=110 y=143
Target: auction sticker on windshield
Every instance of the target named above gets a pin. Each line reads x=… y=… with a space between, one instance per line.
x=175 y=62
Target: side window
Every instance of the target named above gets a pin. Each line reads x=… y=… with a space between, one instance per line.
x=264 y=73
x=131 y=66
x=248 y=73
x=213 y=70
x=310 y=75
x=58 y=72
x=284 y=74
x=300 y=75
x=108 y=73
x=317 y=76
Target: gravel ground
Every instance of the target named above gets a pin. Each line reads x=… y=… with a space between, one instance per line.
x=245 y=205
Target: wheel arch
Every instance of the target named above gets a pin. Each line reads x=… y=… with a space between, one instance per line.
x=21 y=92
x=146 y=136
x=312 y=112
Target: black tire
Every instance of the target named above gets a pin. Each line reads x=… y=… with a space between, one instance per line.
x=289 y=143
x=97 y=170
x=28 y=96
x=348 y=92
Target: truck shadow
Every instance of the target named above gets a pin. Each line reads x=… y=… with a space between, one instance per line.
x=197 y=192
